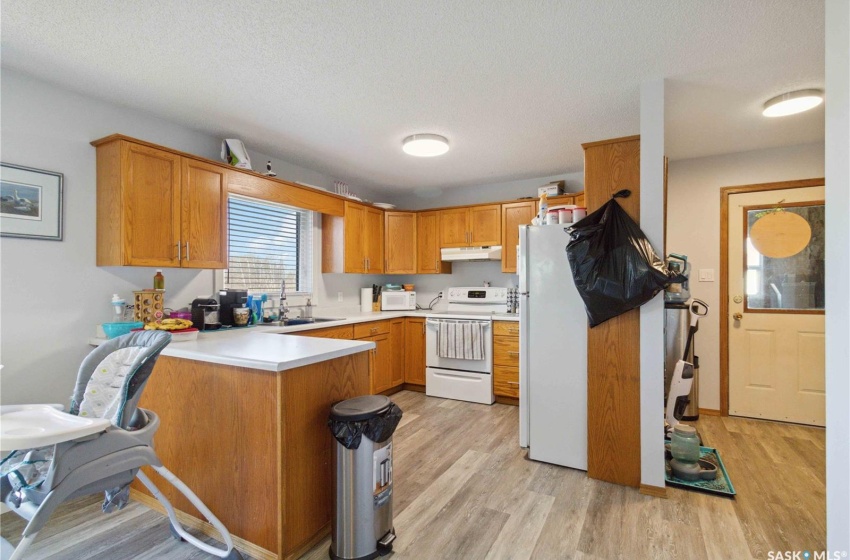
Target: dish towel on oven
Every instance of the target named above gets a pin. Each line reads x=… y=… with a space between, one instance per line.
x=460 y=340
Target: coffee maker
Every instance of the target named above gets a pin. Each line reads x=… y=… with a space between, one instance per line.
x=204 y=314
x=228 y=299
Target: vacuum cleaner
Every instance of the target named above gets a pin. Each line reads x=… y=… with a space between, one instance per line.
x=683 y=374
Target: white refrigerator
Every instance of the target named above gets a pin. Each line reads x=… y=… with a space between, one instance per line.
x=553 y=351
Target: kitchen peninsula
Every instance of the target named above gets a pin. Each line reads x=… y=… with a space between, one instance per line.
x=244 y=425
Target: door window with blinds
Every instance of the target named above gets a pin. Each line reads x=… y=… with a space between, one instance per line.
x=267 y=242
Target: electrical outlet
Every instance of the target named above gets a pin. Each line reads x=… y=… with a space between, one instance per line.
x=706 y=275
x=339 y=296
x=440 y=295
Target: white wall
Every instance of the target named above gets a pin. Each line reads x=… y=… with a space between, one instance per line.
x=52 y=293
x=837 y=275
x=652 y=312
x=693 y=228
x=476 y=194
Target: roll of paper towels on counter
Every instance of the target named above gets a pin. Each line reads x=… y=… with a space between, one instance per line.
x=366 y=300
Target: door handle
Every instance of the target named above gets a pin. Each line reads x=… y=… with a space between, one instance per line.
x=187 y=250
x=179 y=257
x=513 y=383
x=738 y=316
x=513 y=353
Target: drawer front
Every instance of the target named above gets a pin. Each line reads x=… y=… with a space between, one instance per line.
x=506 y=351
x=505 y=328
x=344 y=332
x=372 y=328
x=506 y=381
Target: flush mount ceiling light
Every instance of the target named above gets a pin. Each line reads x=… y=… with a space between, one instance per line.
x=793 y=102
x=425 y=145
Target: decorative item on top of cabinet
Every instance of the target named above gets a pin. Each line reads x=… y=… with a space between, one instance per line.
x=514 y=215
x=414 y=353
x=471 y=226
x=428 y=260
x=400 y=242
x=353 y=243
x=506 y=361
x=157 y=208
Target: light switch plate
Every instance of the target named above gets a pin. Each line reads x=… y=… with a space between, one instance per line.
x=706 y=275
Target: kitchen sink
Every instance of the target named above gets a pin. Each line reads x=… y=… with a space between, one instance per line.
x=294 y=322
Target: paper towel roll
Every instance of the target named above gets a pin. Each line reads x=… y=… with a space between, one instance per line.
x=366 y=300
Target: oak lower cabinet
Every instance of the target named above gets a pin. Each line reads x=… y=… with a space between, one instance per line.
x=397 y=345
x=506 y=359
x=265 y=466
x=158 y=208
x=400 y=242
x=353 y=243
x=428 y=258
x=381 y=360
x=345 y=332
x=471 y=226
x=414 y=351
x=514 y=215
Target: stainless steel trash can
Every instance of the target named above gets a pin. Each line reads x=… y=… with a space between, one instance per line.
x=363 y=470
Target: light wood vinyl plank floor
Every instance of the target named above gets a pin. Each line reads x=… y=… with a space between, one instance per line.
x=464 y=489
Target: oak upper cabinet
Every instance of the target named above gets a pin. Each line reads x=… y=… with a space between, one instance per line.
x=414 y=351
x=514 y=215
x=400 y=242
x=204 y=215
x=354 y=242
x=428 y=260
x=373 y=240
x=152 y=202
x=397 y=344
x=471 y=226
x=579 y=200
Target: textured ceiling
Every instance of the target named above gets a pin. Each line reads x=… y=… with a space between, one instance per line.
x=515 y=86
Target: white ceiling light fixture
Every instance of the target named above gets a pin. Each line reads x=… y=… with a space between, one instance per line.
x=793 y=102
x=425 y=145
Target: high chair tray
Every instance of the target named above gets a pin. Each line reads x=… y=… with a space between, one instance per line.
x=38 y=425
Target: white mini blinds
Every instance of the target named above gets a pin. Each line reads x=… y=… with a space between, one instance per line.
x=267 y=241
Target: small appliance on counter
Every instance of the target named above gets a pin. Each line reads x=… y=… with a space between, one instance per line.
x=228 y=300
x=205 y=314
x=398 y=301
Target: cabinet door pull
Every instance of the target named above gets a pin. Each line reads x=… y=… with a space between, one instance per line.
x=187 y=250
x=178 y=252
x=513 y=383
x=436 y=265
x=513 y=353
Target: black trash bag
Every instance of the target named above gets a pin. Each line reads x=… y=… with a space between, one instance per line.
x=614 y=267
x=378 y=428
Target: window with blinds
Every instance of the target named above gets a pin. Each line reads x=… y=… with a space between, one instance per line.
x=267 y=242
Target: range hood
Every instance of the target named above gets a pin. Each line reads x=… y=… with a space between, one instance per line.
x=492 y=253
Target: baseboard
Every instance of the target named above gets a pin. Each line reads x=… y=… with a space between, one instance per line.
x=507 y=400
x=654 y=491
x=413 y=387
x=710 y=412
x=392 y=391
x=193 y=522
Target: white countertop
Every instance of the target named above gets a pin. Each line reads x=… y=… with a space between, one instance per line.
x=264 y=348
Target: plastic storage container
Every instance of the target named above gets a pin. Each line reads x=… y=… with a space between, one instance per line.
x=363 y=470
x=684 y=443
x=114 y=330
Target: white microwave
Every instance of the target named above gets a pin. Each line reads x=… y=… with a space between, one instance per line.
x=398 y=301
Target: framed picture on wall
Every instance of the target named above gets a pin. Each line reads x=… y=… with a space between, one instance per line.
x=30 y=203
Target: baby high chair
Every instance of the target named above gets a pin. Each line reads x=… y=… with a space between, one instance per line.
x=98 y=447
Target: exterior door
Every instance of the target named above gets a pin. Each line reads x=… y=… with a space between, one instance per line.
x=776 y=305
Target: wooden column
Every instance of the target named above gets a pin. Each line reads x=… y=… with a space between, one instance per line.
x=613 y=348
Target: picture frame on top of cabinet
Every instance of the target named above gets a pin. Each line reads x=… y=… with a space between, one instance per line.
x=30 y=203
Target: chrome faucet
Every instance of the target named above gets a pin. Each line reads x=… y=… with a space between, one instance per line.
x=283 y=310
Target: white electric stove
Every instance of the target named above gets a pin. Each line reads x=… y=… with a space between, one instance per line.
x=464 y=379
